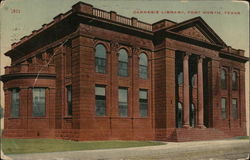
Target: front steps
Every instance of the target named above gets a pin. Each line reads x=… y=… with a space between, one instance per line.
x=199 y=134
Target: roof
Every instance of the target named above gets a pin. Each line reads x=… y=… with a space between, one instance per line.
x=87 y=10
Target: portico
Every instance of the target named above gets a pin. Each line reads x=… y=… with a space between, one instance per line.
x=188 y=84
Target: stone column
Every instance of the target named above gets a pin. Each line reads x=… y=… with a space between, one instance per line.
x=200 y=93
x=186 y=97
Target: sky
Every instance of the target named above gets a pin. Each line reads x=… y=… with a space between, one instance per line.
x=21 y=17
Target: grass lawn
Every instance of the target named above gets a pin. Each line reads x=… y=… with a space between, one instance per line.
x=19 y=146
x=242 y=137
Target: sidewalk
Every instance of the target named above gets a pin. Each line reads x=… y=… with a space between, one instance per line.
x=204 y=150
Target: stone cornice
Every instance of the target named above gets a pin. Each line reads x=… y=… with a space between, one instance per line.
x=8 y=77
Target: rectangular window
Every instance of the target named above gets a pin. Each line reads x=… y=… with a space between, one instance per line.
x=100 y=100
x=143 y=100
x=223 y=108
x=143 y=71
x=15 y=103
x=235 y=108
x=69 y=100
x=123 y=69
x=38 y=102
x=123 y=102
x=100 y=64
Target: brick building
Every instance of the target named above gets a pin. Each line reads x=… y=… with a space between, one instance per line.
x=96 y=75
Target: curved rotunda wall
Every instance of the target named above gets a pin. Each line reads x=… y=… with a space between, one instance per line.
x=25 y=120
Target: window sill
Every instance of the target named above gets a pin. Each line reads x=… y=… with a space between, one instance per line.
x=118 y=117
x=101 y=116
x=67 y=117
x=235 y=119
x=143 y=79
x=39 y=117
x=14 y=118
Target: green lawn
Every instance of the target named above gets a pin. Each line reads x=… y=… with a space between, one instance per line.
x=242 y=137
x=19 y=146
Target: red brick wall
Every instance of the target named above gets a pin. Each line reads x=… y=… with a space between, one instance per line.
x=27 y=125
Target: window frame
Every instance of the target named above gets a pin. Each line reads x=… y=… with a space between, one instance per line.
x=98 y=68
x=127 y=100
x=224 y=112
x=235 y=83
x=100 y=97
x=69 y=104
x=11 y=104
x=123 y=63
x=192 y=112
x=180 y=78
x=44 y=104
x=142 y=67
x=235 y=114
x=223 y=82
x=143 y=102
x=179 y=122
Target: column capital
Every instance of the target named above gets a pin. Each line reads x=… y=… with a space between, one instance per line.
x=186 y=55
x=114 y=45
x=135 y=49
x=201 y=57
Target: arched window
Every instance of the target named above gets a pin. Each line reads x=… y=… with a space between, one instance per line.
x=179 y=115
x=100 y=59
x=223 y=79
x=234 y=81
x=123 y=63
x=192 y=115
x=143 y=66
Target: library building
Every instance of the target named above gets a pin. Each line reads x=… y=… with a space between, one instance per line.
x=92 y=74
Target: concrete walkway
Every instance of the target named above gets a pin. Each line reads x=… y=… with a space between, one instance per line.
x=202 y=150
